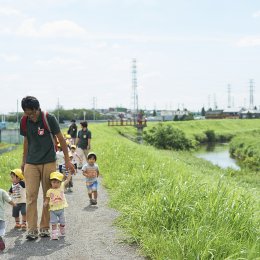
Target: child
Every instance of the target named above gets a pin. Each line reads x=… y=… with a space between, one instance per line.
x=65 y=172
x=75 y=158
x=56 y=200
x=18 y=193
x=4 y=197
x=91 y=172
x=60 y=158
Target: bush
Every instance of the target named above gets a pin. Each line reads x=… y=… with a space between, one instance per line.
x=167 y=137
x=210 y=135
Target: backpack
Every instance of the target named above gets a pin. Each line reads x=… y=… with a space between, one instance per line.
x=46 y=127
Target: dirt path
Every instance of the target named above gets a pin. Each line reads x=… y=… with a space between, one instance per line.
x=89 y=233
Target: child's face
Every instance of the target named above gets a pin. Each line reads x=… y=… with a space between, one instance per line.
x=91 y=160
x=55 y=184
x=14 y=178
x=73 y=150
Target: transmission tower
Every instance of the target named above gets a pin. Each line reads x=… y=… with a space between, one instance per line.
x=134 y=89
x=229 y=96
x=251 y=94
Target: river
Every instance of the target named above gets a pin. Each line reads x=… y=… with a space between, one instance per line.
x=217 y=154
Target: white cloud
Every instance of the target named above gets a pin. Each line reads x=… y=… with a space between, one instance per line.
x=63 y=28
x=9 y=57
x=256 y=14
x=58 y=61
x=10 y=11
x=249 y=41
x=9 y=77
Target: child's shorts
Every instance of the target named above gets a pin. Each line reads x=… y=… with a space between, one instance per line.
x=57 y=216
x=20 y=207
x=92 y=186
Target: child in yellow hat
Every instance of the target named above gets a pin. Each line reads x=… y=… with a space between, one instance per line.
x=18 y=193
x=55 y=199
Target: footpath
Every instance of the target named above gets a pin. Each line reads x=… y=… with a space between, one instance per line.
x=90 y=233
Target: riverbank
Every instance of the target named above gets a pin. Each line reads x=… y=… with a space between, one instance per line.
x=174 y=205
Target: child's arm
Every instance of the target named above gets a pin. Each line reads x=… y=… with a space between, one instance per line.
x=12 y=203
x=46 y=202
x=84 y=173
x=79 y=157
x=67 y=179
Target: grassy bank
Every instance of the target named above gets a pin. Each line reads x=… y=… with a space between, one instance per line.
x=173 y=205
x=176 y=206
x=224 y=129
x=9 y=161
x=246 y=149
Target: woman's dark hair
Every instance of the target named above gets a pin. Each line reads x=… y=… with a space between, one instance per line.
x=30 y=102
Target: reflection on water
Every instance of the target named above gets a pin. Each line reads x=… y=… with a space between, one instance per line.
x=217 y=154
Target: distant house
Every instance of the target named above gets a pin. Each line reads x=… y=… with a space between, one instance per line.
x=249 y=113
x=232 y=113
x=169 y=115
x=215 y=114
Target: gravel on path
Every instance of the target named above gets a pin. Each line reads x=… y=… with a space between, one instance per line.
x=90 y=233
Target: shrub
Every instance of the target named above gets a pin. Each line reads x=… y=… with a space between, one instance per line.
x=167 y=137
x=210 y=135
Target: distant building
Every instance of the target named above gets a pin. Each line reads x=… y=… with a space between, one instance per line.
x=232 y=113
x=215 y=114
x=249 y=114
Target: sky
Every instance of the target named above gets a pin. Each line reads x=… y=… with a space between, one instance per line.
x=78 y=53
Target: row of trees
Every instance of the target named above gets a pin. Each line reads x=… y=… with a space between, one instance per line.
x=66 y=115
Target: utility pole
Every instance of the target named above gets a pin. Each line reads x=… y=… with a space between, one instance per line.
x=251 y=94
x=58 y=112
x=94 y=108
x=134 y=90
x=229 y=96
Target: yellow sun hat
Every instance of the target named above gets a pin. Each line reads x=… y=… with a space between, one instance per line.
x=56 y=176
x=68 y=136
x=73 y=146
x=18 y=173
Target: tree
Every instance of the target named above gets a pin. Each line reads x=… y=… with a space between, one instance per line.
x=203 y=112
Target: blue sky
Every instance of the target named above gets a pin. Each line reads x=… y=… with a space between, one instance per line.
x=74 y=50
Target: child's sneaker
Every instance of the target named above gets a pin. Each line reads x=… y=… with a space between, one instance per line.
x=62 y=230
x=17 y=225
x=55 y=234
x=2 y=244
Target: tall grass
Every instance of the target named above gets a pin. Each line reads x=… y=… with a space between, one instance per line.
x=175 y=210
x=173 y=205
x=9 y=161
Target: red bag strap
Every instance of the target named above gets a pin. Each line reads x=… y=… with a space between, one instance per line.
x=24 y=123
x=45 y=122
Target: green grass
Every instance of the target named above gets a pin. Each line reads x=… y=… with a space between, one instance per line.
x=176 y=206
x=224 y=129
x=9 y=161
x=173 y=205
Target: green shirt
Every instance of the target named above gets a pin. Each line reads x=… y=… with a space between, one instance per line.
x=83 y=138
x=40 y=145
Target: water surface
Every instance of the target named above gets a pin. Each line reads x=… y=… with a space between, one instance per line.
x=217 y=154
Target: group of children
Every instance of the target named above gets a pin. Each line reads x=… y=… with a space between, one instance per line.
x=60 y=181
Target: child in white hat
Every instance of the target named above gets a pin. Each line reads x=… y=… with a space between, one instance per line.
x=55 y=199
